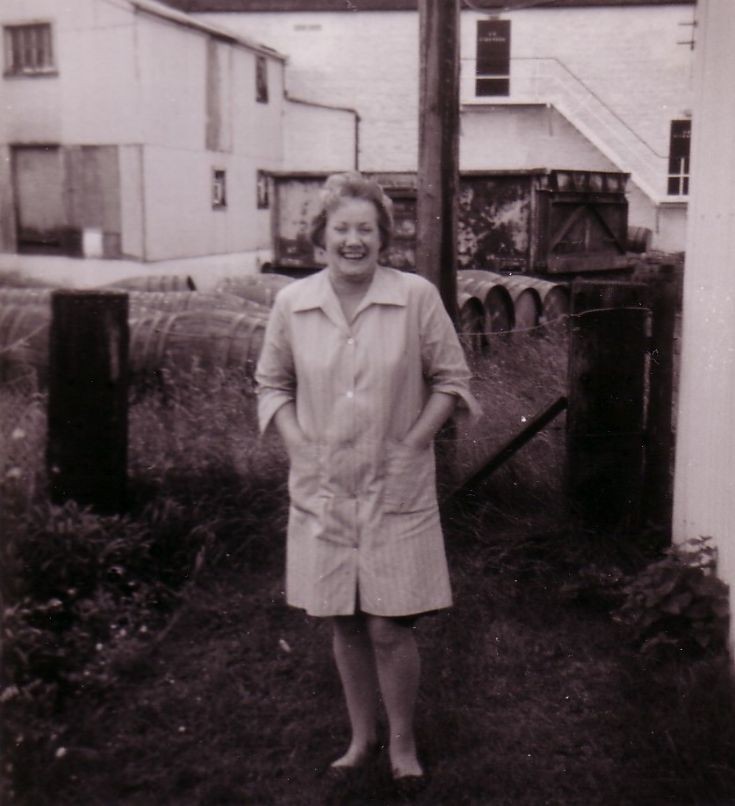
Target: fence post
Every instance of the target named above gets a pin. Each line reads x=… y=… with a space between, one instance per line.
x=86 y=452
x=606 y=414
x=658 y=480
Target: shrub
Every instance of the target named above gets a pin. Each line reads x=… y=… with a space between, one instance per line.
x=677 y=603
x=87 y=581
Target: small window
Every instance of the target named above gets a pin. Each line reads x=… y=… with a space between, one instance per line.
x=261 y=79
x=493 y=58
x=679 y=145
x=28 y=49
x=219 y=189
x=262 y=189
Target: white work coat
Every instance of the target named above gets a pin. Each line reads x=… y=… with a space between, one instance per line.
x=363 y=517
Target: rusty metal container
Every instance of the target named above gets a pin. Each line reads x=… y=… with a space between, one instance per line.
x=541 y=221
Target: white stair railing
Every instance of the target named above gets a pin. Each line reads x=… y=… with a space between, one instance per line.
x=549 y=81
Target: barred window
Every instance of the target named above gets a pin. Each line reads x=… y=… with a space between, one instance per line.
x=28 y=49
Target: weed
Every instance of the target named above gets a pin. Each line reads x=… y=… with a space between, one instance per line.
x=149 y=658
x=677 y=603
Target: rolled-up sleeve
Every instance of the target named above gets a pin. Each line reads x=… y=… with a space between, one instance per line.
x=275 y=375
x=442 y=356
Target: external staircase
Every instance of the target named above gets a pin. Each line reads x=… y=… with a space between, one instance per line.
x=548 y=81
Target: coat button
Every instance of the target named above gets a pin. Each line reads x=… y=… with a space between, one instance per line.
x=350 y=395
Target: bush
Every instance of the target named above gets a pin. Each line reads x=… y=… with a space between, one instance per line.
x=677 y=603
x=85 y=597
x=87 y=583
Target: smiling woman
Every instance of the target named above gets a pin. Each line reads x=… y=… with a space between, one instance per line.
x=360 y=368
x=352 y=243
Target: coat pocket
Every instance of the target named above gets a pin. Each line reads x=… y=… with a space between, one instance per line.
x=410 y=478
x=304 y=477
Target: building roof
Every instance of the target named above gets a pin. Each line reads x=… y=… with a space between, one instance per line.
x=165 y=11
x=400 y=5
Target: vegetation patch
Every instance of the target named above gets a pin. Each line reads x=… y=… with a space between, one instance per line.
x=149 y=658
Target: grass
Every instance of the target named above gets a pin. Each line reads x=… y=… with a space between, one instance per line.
x=150 y=659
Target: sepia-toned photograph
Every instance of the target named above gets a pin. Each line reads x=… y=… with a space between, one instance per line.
x=366 y=378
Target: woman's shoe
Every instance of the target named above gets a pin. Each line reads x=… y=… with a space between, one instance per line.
x=345 y=773
x=409 y=787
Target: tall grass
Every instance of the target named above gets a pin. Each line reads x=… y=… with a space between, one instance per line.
x=148 y=657
x=85 y=595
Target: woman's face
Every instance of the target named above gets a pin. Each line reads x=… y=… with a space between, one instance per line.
x=352 y=240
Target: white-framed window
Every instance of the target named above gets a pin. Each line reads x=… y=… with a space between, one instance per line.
x=28 y=49
x=679 y=147
x=219 y=189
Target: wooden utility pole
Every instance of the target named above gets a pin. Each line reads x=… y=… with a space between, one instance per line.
x=438 y=169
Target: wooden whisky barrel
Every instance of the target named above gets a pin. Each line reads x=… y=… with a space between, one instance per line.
x=261 y=288
x=155 y=282
x=207 y=340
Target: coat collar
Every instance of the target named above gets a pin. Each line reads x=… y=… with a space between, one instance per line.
x=387 y=288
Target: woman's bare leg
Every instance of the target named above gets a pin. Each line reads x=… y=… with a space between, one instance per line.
x=353 y=652
x=399 y=667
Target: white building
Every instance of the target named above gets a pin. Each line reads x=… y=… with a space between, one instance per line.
x=132 y=132
x=566 y=84
x=704 y=493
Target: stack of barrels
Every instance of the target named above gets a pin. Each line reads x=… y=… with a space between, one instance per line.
x=512 y=302
x=175 y=327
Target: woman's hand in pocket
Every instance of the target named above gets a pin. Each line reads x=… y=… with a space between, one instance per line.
x=297 y=445
x=414 y=444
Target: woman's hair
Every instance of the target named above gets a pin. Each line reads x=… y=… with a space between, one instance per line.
x=352 y=185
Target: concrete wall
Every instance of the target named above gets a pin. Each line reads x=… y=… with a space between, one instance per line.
x=176 y=102
x=704 y=495
x=624 y=63
x=629 y=57
x=177 y=167
x=510 y=137
x=366 y=61
x=318 y=139
x=92 y=98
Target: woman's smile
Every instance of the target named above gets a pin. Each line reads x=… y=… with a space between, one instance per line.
x=352 y=240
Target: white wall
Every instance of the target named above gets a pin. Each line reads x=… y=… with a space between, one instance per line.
x=180 y=220
x=141 y=82
x=629 y=57
x=92 y=98
x=704 y=495
x=510 y=137
x=318 y=139
x=366 y=61
x=132 y=201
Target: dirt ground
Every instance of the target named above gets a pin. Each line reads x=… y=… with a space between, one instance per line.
x=525 y=700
